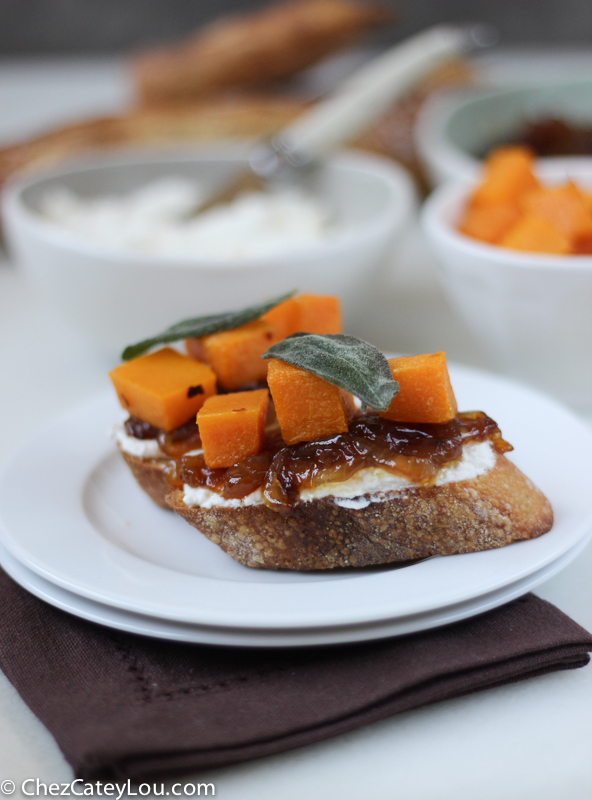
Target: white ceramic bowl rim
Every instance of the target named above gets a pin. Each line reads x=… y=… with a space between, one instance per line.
x=435 y=128
x=439 y=153
x=392 y=215
x=468 y=97
x=436 y=218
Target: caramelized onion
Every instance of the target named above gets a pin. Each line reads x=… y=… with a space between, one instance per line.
x=415 y=451
x=139 y=429
x=180 y=440
x=194 y=471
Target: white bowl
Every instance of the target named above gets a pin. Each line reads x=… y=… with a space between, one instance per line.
x=114 y=298
x=532 y=313
x=453 y=130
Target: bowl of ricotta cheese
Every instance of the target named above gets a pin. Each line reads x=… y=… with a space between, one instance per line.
x=118 y=245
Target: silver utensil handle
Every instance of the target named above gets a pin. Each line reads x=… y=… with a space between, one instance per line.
x=365 y=95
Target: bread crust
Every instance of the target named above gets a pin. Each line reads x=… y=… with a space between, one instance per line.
x=492 y=510
x=150 y=474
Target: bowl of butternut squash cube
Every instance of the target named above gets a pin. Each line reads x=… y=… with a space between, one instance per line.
x=514 y=250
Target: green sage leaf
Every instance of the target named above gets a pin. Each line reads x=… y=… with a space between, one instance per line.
x=203 y=326
x=347 y=362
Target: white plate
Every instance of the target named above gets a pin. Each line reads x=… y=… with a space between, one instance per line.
x=177 y=631
x=71 y=512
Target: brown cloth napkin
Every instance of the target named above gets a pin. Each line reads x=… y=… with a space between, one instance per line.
x=123 y=706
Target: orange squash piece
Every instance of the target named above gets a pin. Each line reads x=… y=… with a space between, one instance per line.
x=587 y=199
x=318 y=313
x=584 y=244
x=507 y=175
x=307 y=407
x=283 y=319
x=308 y=313
x=564 y=207
x=164 y=388
x=235 y=356
x=232 y=426
x=425 y=392
x=488 y=223
x=535 y=234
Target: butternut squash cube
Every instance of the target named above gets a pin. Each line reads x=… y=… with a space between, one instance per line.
x=164 y=388
x=583 y=245
x=307 y=313
x=564 y=207
x=507 y=175
x=425 y=392
x=587 y=200
x=235 y=355
x=535 y=234
x=232 y=426
x=307 y=407
x=283 y=319
x=318 y=313
x=488 y=223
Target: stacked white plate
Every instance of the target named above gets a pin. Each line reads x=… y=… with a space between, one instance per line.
x=76 y=531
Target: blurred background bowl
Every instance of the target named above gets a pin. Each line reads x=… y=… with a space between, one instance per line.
x=455 y=130
x=532 y=313
x=113 y=297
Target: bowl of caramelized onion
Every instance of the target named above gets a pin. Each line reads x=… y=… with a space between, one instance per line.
x=455 y=131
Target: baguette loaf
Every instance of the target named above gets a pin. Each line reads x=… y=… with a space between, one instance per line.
x=494 y=509
x=247 y=50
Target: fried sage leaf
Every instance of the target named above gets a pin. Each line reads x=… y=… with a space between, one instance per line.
x=203 y=326
x=347 y=362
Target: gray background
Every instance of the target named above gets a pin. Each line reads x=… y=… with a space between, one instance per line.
x=43 y=27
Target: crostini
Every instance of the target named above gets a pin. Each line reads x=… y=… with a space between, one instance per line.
x=333 y=457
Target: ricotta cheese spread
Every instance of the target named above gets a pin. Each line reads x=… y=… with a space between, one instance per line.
x=160 y=219
x=367 y=486
x=141 y=448
x=205 y=498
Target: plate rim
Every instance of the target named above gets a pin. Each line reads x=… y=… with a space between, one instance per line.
x=285 y=639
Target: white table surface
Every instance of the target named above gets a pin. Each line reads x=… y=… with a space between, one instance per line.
x=519 y=742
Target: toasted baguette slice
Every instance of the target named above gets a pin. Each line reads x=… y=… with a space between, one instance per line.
x=150 y=474
x=497 y=508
